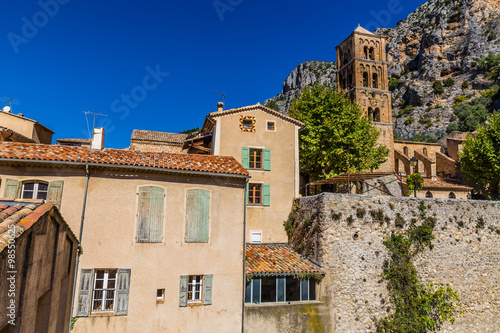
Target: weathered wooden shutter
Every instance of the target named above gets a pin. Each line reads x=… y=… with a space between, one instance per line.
x=245 y=157
x=266 y=194
x=84 y=293
x=122 y=292
x=207 y=292
x=267 y=159
x=183 y=291
x=54 y=193
x=256 y=284
x=197 y=215
x=246 y=193
x=150 y=214
x=304 y=289
x=281 y=283
x=11 y=188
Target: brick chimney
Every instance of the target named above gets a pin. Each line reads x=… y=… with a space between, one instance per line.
x=98 y=138
x=220 y=106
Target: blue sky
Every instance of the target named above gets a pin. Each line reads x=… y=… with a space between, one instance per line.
x=154 y=64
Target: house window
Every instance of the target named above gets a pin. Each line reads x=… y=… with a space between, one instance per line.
x=405 y=151
x=150 y=214
x=247 y=123
x=197 y=216
x=428 y=194
x=452 y=195
x=271 y=126
x=425 y=151
x=160 y=296
x=255 y=159
x=256 y=237
x=103 y=291
x=34 y=190
x=103 y=295
x=280 y=289
x=255 y=194
x=195 y=289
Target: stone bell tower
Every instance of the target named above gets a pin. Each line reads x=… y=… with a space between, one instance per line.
x=362 y=74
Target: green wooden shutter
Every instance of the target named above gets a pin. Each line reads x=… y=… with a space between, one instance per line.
x=207 y=292
x=54 y=193
x=245 y=157
x=11 y=189
x=183 y=291
x=122 y=292
x=246 y=193
x=150 y=214
x=84 y=293
x=267 y=159
x=197 y=215
x=266 y=194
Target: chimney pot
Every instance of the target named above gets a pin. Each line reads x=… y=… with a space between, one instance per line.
x=98 y=138
x=220 y=106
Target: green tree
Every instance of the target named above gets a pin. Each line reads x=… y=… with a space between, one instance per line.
x=480 y=157
x=437 y=87
x=337 y=138
x=472 y=114
x=189 y=131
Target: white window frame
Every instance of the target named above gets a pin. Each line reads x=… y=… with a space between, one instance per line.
x=267 y=126
x=193 y=282
x=35 y=189
x=104 y=291
x=256 y=233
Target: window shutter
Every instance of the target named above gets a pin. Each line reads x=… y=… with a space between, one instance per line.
x=266 y=194
x=245 y=157
x=183 y=291
x=122 y=292
x=197 y=215
x=150 y=214
x=267 y=159
x=304 y=289
x=54 y=193
x=246 y=193
x=207 y=292
x=11 y=188
x=84 y=293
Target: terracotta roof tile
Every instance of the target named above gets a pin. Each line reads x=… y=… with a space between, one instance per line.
x=441 y=184
x=276 y=259
x=22 y=215
x=176 y=162
x=142 y=135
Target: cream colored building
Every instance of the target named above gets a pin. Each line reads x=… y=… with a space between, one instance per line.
x=16 y=127
x=162 y=237
x=266 y=143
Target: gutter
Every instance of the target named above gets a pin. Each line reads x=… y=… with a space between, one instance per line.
x=87 y=172
x=200 y=173
x=244 y=257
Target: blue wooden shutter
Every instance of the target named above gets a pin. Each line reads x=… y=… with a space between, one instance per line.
x=256 y=284
x=11 y=189
x=304 y=289
x=280 y=285
x=246 y=193
x=183 y=291
x=84 y=293
x=266 y=194
x=207 y=292
x=150 y=214
x=197 y=215
x=267 y=159
x=245 y=157
x=122 y=292
x=54 y=193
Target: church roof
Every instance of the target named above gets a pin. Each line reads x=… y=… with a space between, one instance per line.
x=362 y=30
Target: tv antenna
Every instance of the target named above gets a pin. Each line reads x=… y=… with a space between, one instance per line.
x=8 y=102
x=95 y=114
x=223 y=96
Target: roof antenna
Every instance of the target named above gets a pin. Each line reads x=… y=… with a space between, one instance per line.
x=8 y=102
x=93 y=123
x=223 y=96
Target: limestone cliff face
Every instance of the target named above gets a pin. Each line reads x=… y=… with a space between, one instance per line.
x=302 y=76
x=442 y=39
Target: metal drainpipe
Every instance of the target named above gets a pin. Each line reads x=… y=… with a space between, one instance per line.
x=244 y=257
x=87 y=172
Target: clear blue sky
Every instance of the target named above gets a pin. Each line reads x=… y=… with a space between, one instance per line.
x=62 y=57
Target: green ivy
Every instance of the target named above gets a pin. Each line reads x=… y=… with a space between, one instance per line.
x=418 y=307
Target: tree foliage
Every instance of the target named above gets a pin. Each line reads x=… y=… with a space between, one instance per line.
x=480 y=157
x=437 y=87
x=337 y=138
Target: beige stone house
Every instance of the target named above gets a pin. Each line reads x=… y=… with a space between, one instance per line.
x=18 y=128
x=162 y=233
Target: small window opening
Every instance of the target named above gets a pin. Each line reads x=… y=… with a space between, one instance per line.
x=160 y=296
x=271 y=126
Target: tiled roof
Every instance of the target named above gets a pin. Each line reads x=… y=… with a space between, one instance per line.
x=276 y=259
x=21 y=215
x=141 y=135
x=215 y=164
x=74 y=140
x=441 y=184
x=362 y=30
x=17 y=136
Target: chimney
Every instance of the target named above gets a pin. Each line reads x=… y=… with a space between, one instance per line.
x=98 y=138
x=220 y=106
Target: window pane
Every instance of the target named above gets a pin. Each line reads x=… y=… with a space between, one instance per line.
x=268 y=293
x=281 y=289
x=29 y=186
x=248 y=292
x=292 y=289
x=304 y=290
x=27 y=194
x=256 y=291
x=312 y=290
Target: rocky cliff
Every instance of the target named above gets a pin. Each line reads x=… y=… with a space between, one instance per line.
x=435 y=65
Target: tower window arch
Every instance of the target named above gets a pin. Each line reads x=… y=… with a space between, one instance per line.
x=366 y=52
x=346 y=58
x=376 y=115
x=405 y=151
x=425 y=151
x=372 y=53
x=365 y=79
x=370 y=113
x=452 y=195
x=375 y=80
x=429 y=194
